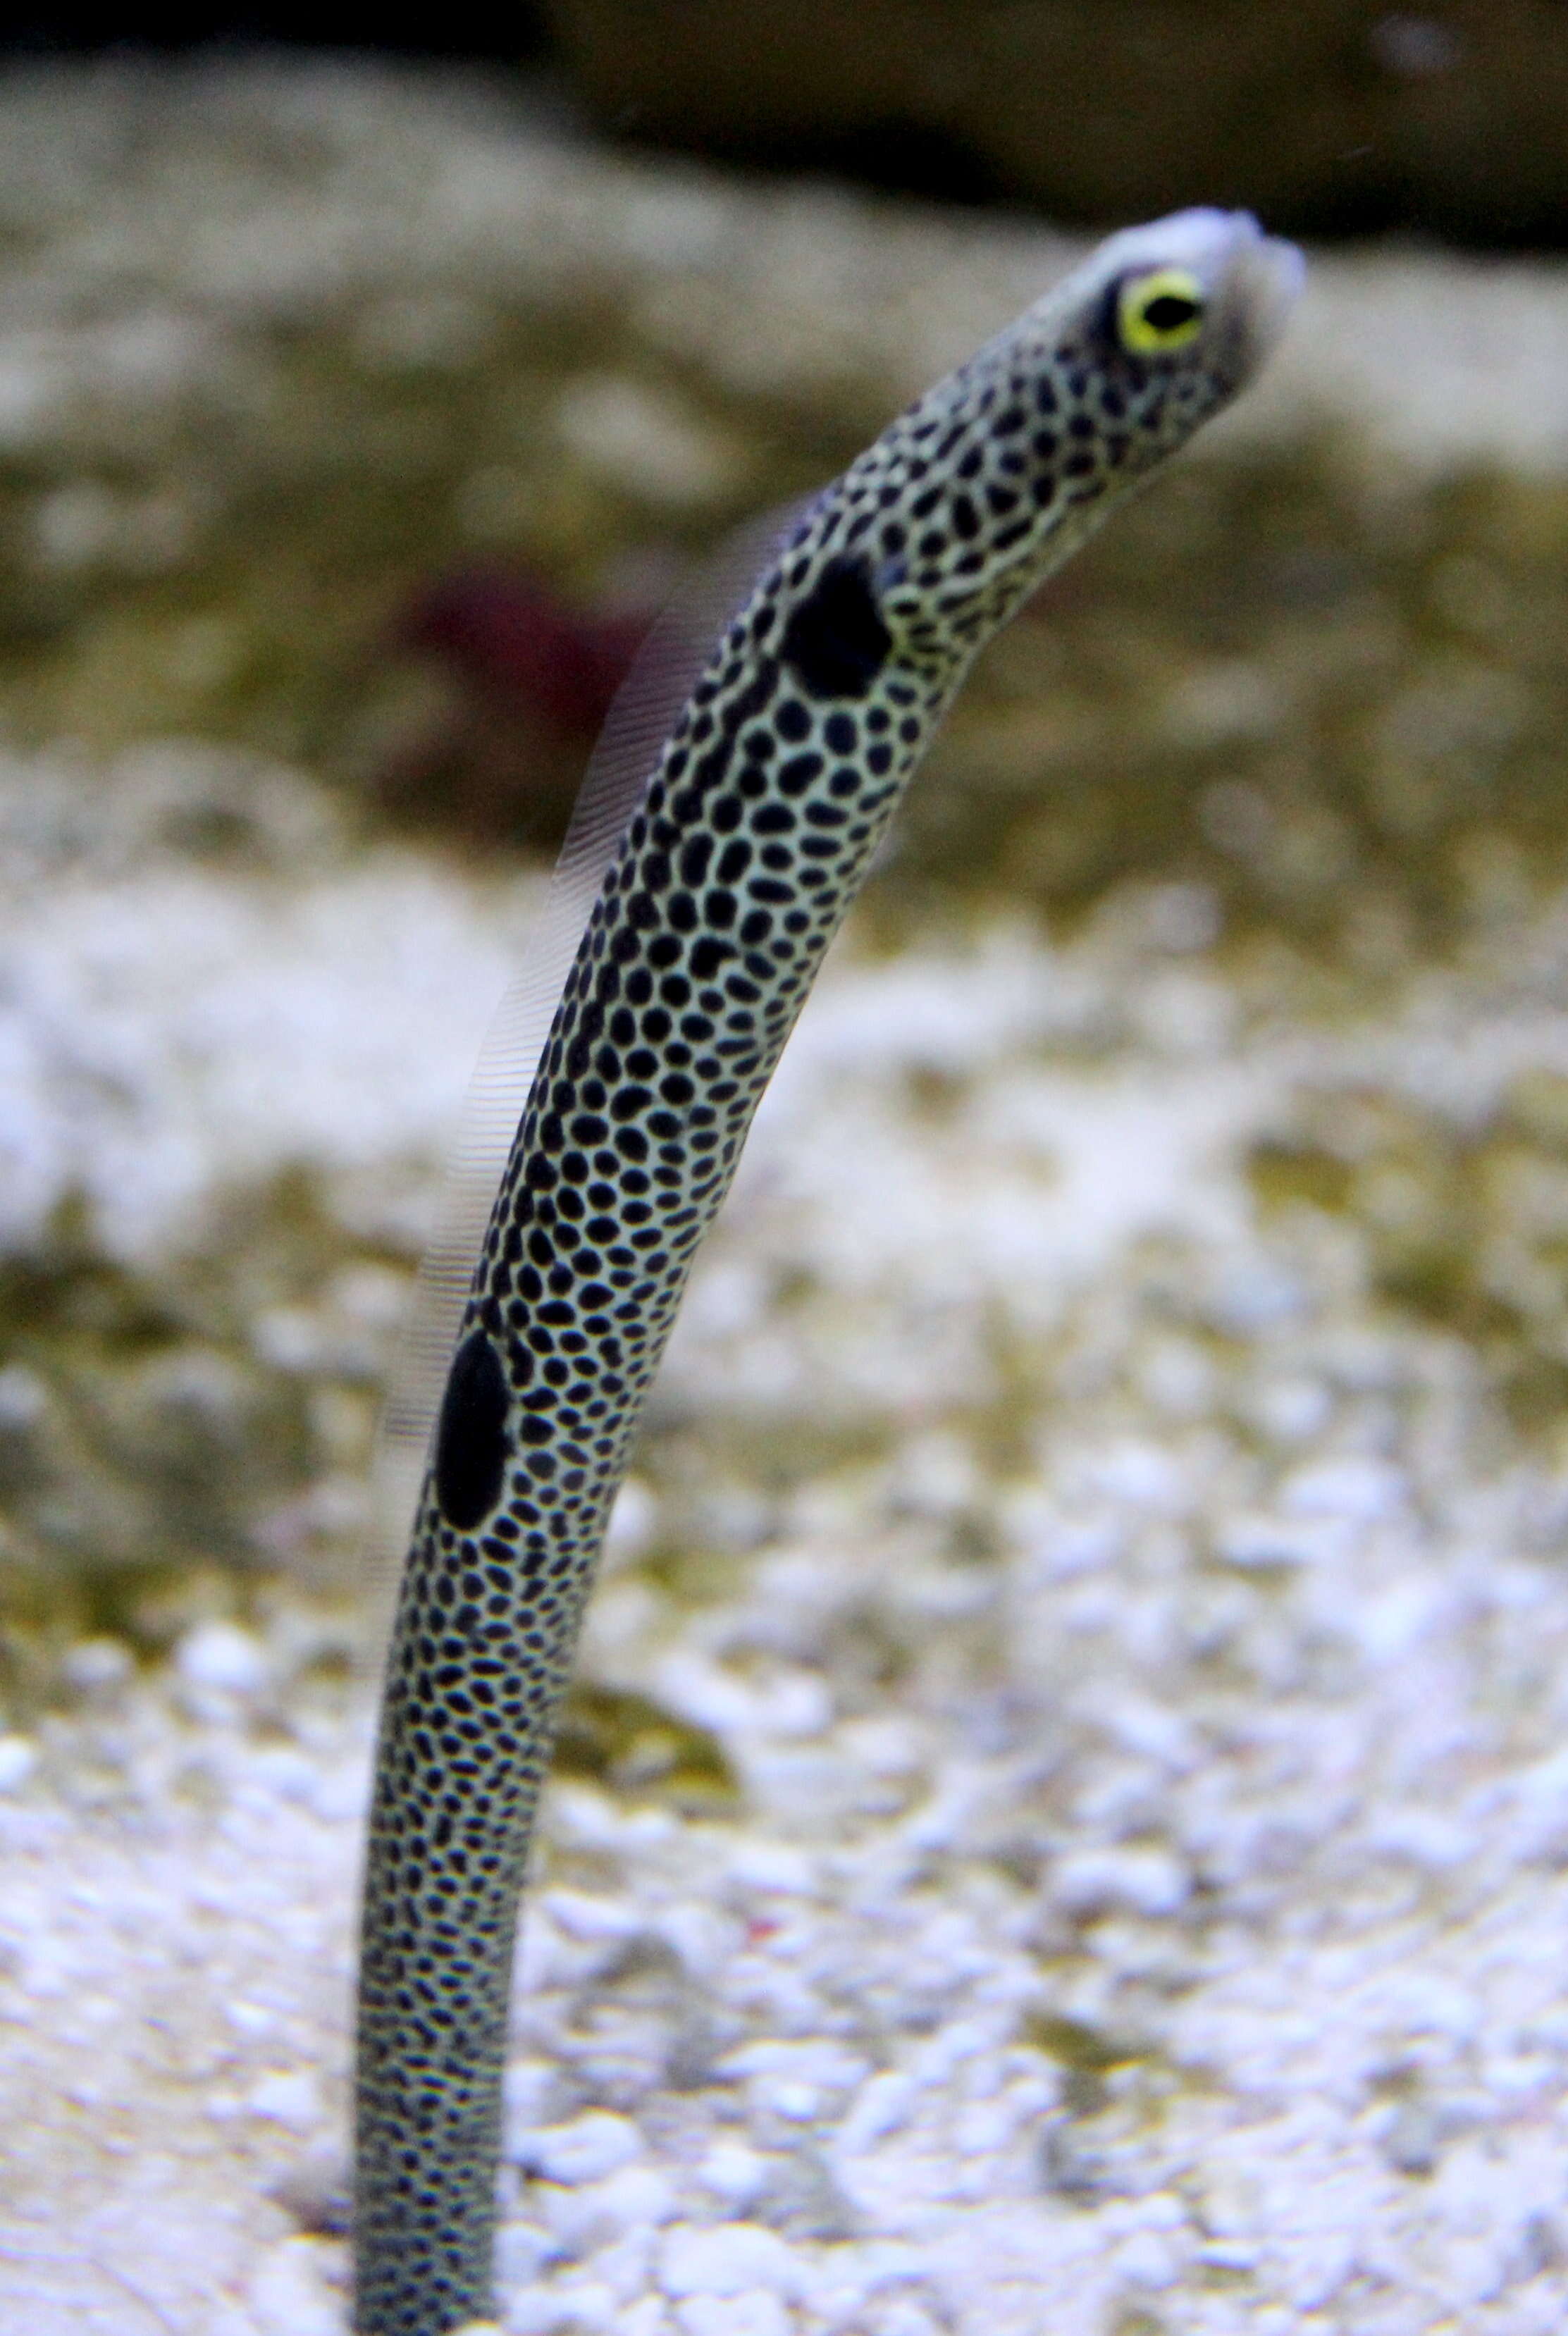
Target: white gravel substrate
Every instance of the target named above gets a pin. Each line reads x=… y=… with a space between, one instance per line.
x=1145 y=1904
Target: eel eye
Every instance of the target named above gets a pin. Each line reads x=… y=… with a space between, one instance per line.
x=1161 y=310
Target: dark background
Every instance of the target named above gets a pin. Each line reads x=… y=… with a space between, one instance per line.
x=1327 y=117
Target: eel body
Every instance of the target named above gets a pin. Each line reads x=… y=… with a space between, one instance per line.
x=749 y=826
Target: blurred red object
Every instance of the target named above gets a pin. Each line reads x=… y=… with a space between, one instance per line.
x=523 y=682
x=507 y=632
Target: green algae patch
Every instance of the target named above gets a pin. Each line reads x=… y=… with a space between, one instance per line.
x=1285 y=1173
x=629 y=1742
x=1462 y=1226
x=1079 y=2046
x=150 y=1423
x=241 y=569
x=1340 y=706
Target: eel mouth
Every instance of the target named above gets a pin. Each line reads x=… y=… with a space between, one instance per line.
x=1257 y=290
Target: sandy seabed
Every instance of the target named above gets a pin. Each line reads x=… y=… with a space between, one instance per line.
x=1084 y=1845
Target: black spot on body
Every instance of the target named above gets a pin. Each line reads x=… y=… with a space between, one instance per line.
x=471 y=1447
x=797 y=774
x=709 y=954
x=835 y=640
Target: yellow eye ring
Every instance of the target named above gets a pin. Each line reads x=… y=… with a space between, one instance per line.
x=1159 y=311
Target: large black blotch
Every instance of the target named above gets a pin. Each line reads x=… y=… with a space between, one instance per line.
x=470 y=1446
x=836 y=640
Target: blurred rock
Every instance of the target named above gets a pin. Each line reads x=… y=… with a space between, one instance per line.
x=1327 y=117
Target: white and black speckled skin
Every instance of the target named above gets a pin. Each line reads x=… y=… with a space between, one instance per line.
x=735 y=870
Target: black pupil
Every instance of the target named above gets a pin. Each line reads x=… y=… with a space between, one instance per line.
x=1168 y=311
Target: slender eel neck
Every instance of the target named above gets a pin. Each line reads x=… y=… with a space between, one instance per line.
x=734 y=871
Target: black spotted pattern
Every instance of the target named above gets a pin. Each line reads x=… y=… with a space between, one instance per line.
x=731 y=878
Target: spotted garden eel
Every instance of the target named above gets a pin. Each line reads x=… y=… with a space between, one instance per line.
x=711 y=862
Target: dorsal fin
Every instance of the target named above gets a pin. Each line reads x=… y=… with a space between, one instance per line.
x=661 y=678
